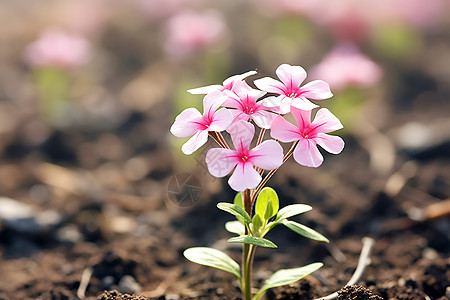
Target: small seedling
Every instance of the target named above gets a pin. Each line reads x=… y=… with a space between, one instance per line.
x=234 y=107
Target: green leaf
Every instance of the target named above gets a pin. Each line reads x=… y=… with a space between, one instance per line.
x=246 y=239
x=292 y=210
x=304 y=230
x=213 y=258
x=267 y=203
x=235 y=227
x=235 y=210
x=287 y=276
x=238 y=200
x=256 y=225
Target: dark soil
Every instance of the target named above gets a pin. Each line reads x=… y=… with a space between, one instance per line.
x=89 y=207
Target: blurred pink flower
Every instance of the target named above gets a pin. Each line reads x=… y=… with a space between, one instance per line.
x=267 y=156
x=309 y=135
x=346 y=66
x=158 y=9
x=227 y=84
x=289 y=90
x=243 y=101
x=58 y=48
x=189 y=31
x=190 y=122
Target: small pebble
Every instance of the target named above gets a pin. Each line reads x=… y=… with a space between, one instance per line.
x=128 y=284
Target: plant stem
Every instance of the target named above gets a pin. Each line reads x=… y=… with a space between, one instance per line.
x=247 y=251
x=260 y=136
x=270 y=174
x=249 y=254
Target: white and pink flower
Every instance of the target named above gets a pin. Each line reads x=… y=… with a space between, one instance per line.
x=58 y=48
x=355 y=68
x=267 y=156
x=244 y=105
x=309 y=135
x=226 y=86
x=289 y=90
x=189 y=31
x=190 y=122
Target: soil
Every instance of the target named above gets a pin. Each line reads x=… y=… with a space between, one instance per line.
x=91 y=210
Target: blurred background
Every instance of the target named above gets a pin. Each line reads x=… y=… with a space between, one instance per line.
x=90 y=88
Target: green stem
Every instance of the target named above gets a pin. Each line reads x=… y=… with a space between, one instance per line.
x=247 y=251
x=270 y=174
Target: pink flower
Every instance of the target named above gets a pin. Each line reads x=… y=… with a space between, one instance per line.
x=355 y=68
x=190 y=122
x=189 y=31
x=243 y=101
x=227 y=84
x=309 y=134
x=56 y=48
x=268 y=156
x=289 y=90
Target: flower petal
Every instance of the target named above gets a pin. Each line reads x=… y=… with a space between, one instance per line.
x=271 y=101
x=302 y=117
x=242 y=133
x=244 y=177
x=268 y=155
x=270 y=85
x=307 y=154
x=284 y=131
x=325 y=121
x=212 y=101
x=196 y=141
x=303 y=103
x=221 y=120
x=263 y=118
x=291 y=76
x=317 y=89
x=246 y=93
x=220 y=161
x=184 y=124
x=205 y=89
x=331 y=143
x=229 y=82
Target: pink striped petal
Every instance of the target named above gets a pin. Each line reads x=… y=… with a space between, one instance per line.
x=220 y=161
x=242 y=133
x=307 y=154
x=268 y=155
x=317 y=90
x=196 y=141
x=303 y=103
x=330 y=143
x=285 y=104
x=184 y=124
x=291 y=76
x=271 y=101
x=270 y=85
x=284 y=131
x=229 y=82
x=221 y=120
x=244 y=91
x=263 y=118
x=302 y=117
x=205 y=89
x=212 y=101
x=244 y=177
x=325 y=121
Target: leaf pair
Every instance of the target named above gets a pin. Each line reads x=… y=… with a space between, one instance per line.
x=217 y=259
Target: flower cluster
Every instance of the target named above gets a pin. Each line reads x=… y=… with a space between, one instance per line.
x=235 y=106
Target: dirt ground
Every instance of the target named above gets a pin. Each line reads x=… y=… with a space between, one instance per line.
x=93 y=205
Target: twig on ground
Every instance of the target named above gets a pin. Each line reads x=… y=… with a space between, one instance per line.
x=84 y=282
x=363 y=262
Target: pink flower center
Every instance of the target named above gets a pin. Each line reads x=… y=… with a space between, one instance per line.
x=295 y=94
x=244 y=158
